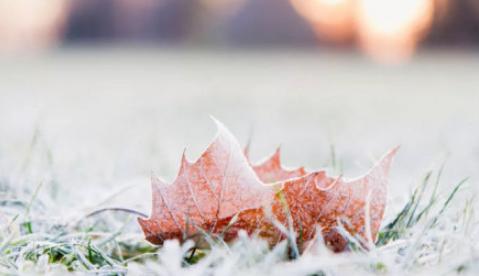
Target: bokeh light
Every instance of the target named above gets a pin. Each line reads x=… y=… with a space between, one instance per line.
x=390 y=30
x=31 y=24
x=387 y=30
x=331 y=19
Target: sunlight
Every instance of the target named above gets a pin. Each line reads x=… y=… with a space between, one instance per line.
x=331 y=19
x=29 y=24
x=387 y=30
x=390 y=30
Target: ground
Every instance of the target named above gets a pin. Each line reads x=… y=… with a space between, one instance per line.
x=82 y=130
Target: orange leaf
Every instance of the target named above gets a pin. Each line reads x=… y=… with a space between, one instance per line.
x=221 y=184
x=271 y=169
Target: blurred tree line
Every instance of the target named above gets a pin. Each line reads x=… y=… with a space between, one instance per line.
x=239 y=22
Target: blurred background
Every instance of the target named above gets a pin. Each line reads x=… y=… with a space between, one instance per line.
x=96 y=94
x=388 y=31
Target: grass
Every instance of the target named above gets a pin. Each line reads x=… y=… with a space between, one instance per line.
x=423 y=235
x=92 y=121
x=433 y=230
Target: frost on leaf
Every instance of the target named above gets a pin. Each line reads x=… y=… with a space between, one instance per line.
x=222 y=193
x=218 y=185
x=271 y=170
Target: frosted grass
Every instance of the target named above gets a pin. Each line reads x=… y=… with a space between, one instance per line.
x=77 y=136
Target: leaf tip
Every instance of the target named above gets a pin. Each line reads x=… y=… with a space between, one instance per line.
x=219 y=125
x=386 y=160
x=184 y=163
x=156 y=182
x=150 y=230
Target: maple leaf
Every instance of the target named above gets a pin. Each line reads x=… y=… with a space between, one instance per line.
x=220 y=184
x=222 y=192
x=271 y=169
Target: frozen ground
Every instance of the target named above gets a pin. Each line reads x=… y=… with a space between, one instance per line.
x=91 y=124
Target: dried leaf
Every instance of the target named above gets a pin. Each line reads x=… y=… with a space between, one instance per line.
x=222 y=185
x=271 y=170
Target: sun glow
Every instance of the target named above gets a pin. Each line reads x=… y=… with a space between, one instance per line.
x=331 y=19
x=388 y=30
x=30 y=24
